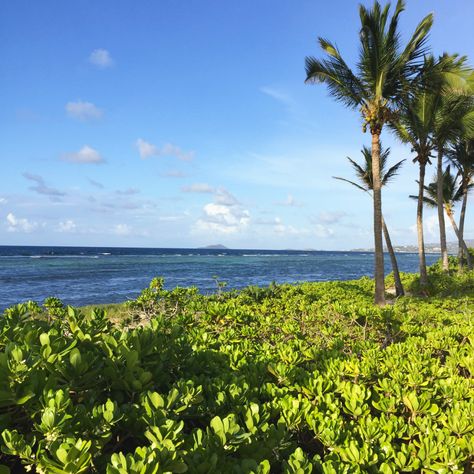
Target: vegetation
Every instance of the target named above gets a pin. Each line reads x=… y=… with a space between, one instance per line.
x=427 y=102
x=364 y=176
x=452 y=193
x=386 y=74
x=461 y=155
x=289 y=378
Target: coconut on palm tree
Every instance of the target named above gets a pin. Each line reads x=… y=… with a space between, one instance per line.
x=366 y=184
x=452 y=194
x=461 y=155
x=383 y=75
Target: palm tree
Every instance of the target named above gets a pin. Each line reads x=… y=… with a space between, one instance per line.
x=364 y=175
x=452 y=194
x=418 y=119
x=384 y=75
x=461 y=155
x=454 y=118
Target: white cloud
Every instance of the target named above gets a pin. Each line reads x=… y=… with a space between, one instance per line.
x=225 y=215
x=67 y=226
x=198 y=188
x=83 y=110
x=147 y=150
x=86 y=155
x=122 y=229
x=101 y=58
x=3 y=201
x=15 y=224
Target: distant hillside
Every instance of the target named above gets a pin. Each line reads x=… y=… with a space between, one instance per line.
x=429 y=248
x=215 y=247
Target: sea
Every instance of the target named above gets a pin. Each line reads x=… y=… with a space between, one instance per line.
x=98 y=275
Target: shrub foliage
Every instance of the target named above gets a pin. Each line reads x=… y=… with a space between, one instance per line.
x=303 y=378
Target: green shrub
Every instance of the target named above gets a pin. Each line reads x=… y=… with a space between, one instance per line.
x=300 y=378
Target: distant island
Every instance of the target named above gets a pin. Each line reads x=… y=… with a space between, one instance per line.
x=429 y=248
x=215 y=247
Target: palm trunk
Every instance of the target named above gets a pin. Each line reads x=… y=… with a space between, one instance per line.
x=377 y=194
x=419 y=227
x=442 y=225
x=462 y=216
x=396 y=274
x=458 y=235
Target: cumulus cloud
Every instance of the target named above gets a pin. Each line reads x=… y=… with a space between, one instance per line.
x=83 y=110
x=15 y=224
x=225 y=215
x=67 y=226
x=86 y=155
x=101 y=58
x=41 y=188
x=147 y=150
x=198 y=188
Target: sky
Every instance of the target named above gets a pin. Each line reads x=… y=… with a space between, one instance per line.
x=185 y=123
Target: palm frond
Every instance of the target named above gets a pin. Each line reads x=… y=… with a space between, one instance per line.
x=391 y=172
x=353 y=184
x=342 y=83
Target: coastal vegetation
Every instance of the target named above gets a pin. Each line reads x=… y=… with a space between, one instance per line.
x=364 y=176
x=291 y=378
x=427 y=102
x=301 y=378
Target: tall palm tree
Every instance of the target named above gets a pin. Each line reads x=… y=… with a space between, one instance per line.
x=366 y=184
x=417 y=120
x=454 y=118
x=383 y=76
x=461 y=155
x=452 y=194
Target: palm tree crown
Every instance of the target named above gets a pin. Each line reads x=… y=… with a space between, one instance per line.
x=461 y=155
x=452 y=191
x=364 y=171
x=384 y=70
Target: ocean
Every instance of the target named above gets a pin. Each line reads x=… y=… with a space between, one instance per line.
x=94 y=275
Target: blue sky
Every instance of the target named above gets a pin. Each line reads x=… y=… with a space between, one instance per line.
x=181 y=123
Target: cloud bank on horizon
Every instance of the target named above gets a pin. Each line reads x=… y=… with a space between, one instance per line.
x=175 y=135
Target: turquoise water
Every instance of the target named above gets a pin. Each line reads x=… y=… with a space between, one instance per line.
x=86 y=275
